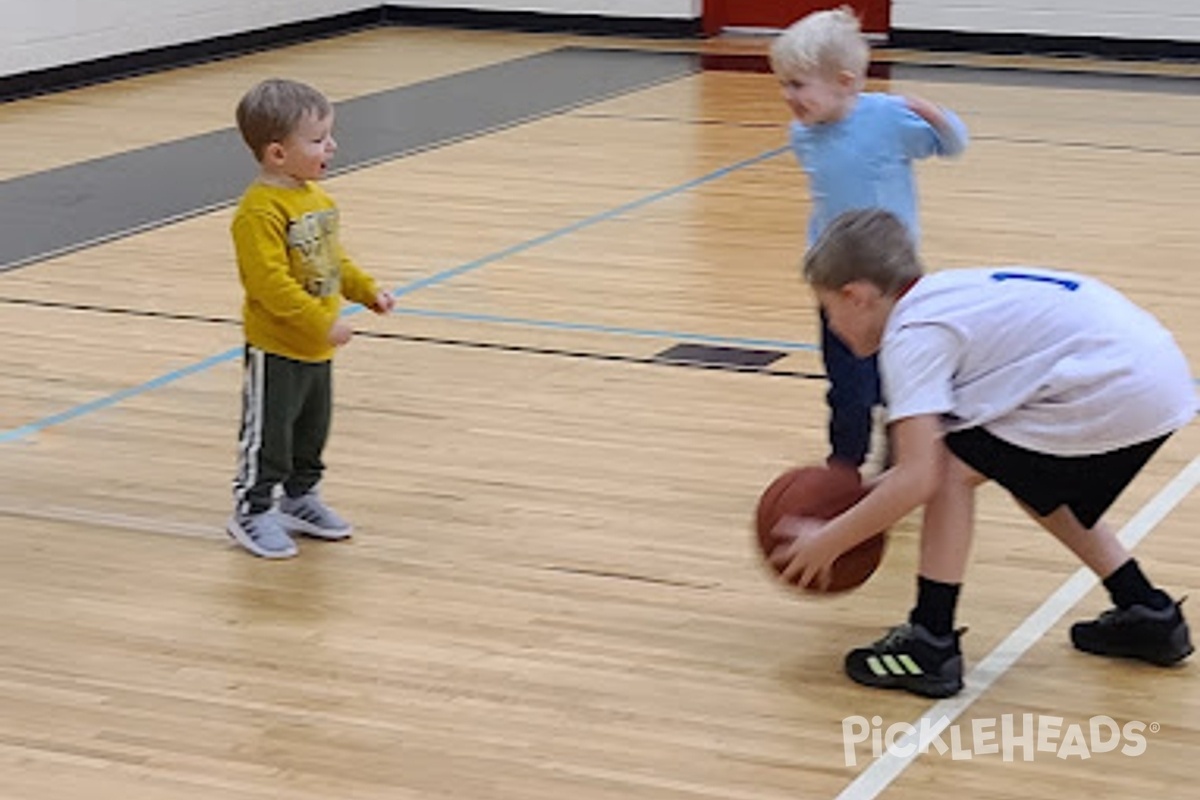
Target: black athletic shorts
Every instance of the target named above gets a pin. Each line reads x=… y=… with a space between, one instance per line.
x=1087 y=485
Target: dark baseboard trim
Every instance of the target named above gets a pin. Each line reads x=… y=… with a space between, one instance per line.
x=532 y=21
x=101 y=70
x=1040 y=44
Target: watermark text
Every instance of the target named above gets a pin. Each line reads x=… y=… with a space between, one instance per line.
x=1009 y=736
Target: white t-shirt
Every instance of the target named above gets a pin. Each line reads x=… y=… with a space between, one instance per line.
x=1050 y=361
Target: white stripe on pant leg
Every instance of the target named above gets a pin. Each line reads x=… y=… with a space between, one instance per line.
x=250 y=443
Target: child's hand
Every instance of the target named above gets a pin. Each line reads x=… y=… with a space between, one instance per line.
x=803 y=555
x=384 y=303
x=340 y=333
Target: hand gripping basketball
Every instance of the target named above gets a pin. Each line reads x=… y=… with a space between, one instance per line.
x=819 y=492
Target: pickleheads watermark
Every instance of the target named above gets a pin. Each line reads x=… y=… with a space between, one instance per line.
x=1009 y=736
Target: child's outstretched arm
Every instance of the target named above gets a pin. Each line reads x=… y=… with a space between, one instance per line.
x=949 y=134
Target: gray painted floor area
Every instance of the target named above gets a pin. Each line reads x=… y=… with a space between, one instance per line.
x=60 y=210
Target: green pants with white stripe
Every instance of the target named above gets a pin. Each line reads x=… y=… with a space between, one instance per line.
x=286 y=411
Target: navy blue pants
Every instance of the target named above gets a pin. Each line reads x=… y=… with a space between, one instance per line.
x=853 y=394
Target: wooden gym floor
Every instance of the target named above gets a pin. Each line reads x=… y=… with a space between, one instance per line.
x=552 y=592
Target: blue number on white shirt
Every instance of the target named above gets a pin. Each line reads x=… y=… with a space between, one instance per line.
x=1065 y=283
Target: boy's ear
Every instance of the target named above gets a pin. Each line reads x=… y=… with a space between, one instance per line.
x=859 y=293
x=847 y=80
x=273 y=153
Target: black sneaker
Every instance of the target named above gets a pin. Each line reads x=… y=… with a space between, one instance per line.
x=911 y=658
x=1159 y=636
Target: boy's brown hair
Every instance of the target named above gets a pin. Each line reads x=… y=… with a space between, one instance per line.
x=272 y=110
x=867 y=245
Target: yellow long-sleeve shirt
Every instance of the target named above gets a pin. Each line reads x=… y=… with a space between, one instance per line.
x=293 y=270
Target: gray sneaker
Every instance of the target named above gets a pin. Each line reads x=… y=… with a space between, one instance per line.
x=308 y=514
x=261 y=534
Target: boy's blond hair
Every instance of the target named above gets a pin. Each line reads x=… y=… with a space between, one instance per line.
x=867 y=245
x=825 y=43
x=271 y=111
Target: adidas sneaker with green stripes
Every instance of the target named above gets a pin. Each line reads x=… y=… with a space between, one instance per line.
x=911 y=658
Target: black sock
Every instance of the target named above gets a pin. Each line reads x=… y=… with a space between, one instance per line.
x=1128 y=586
x=936 y=603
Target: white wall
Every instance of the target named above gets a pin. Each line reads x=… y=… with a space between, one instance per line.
x=1177 y=20
x=37 y=34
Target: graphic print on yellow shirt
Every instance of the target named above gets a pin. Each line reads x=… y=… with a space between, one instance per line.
x=293 y=269
x=311 y=246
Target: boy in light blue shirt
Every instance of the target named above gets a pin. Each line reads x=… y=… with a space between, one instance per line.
x=857 y=149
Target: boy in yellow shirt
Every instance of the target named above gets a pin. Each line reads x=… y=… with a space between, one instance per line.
x=294 y=273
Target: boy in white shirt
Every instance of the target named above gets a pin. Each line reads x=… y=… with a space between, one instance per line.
x=1052 y=384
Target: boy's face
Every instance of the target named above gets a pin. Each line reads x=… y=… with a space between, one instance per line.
x=857 y=313
x=815 y=97
x=306 y=152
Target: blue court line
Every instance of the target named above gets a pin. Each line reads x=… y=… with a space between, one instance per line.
x=585 y=327
x=588 y=222
x=15 y=434
x=24 y=431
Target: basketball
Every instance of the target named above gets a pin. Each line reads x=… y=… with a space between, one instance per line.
x=819 y=492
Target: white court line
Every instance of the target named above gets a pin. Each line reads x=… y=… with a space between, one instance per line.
x=875 y=778
x=103 y=519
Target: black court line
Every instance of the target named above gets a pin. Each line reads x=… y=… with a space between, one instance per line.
x=1084 y=145
x=782 y=127
x=75 y=206
x=1064 y=76
x=1070 y=78
x=629 y=576
x=592 y=355
x=690 y=356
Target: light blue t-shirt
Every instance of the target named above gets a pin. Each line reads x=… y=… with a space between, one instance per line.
x=865 y=159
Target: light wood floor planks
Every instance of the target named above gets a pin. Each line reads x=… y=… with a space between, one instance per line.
x=552 y=592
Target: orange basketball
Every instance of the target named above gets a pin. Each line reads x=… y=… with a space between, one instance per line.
x=819 y=492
